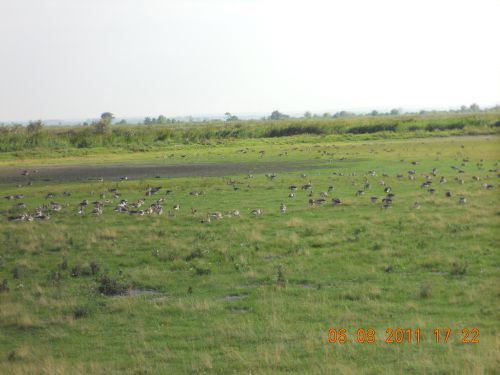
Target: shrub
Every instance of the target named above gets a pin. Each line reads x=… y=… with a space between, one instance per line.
x=372 y=128
x=4 y=286
x=203 y=271
x=112 y=287
x=80 y=312
x=459 y=270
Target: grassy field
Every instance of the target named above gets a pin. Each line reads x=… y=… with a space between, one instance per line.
x=162 y=294
x=196 y=141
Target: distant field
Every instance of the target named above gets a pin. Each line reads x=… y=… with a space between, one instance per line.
x=121 y=293
x=198 y=142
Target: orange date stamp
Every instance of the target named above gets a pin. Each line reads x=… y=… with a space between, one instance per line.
x=402 y=336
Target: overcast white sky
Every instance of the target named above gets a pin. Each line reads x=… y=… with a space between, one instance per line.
x=78 y=58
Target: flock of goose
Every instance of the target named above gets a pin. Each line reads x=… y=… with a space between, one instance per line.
x=140 y=208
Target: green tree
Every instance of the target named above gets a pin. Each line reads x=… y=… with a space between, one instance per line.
x=394 y=112
x=103 y=126
x=34 y=127
x=474 y=107
x=307 y=114
x=277 y=115
x=230 y=117
x=161 y=119
x=107 y=117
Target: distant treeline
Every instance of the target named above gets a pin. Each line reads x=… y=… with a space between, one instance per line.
x=104 y=134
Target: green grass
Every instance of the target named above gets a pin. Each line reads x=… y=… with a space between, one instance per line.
x=131 y=142
x=259 y=294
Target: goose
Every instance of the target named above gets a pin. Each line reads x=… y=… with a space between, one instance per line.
x=431 y=190
x=310 y=194
x=462 y=200
x=291 y=195
x=442 y=180
x=411 y=177
x=336 y=201
x=55 y=206
x=193 y=211
x=256 y=212
x=307 y=186
x=330 y=188
x=374 y=199
x=157 y=209
x=134 y=212
x=282 y=208
x=17 y=218
x=387 y=201
x=97 y=210
x=236 y=213
x=176 y=207
x=271 y=176
x=476 y=178
x=487 y=186
x=216 y=215
x=360 y=193
x=323 y=194
x=416 y=206
x=314 y=202
x=206 y=220
x=293 y=187
x=387 y=189
x=426 y=184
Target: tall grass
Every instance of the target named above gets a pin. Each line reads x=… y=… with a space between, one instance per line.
x=142 y=137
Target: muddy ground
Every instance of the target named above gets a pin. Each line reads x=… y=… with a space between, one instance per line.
x=11 y=175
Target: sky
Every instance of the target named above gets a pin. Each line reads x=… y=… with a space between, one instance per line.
x=62 y=59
